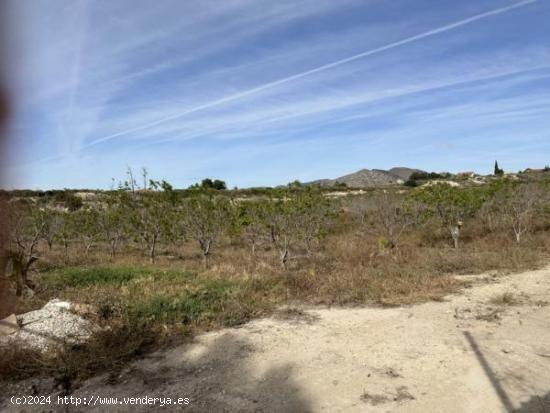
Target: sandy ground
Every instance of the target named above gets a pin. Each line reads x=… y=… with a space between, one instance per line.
x=464 y=354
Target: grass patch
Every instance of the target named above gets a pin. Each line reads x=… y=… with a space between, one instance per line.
x=139 y=309
x=153 y=297
x=60 y=279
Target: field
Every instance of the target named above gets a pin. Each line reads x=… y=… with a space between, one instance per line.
x=159 y=266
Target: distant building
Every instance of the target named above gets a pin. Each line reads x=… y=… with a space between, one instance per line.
x=468 y=174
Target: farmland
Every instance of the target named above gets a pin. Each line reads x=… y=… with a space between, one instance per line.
x=160 y=265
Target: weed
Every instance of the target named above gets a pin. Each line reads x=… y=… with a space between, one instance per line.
x=505 y=299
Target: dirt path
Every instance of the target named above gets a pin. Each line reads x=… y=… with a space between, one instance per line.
x=465 y=354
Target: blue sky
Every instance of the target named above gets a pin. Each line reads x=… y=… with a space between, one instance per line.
x=260 y=92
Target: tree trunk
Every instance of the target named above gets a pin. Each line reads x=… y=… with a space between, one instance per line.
x=284 y=258
x=114 y=244
x=455 y=234
x=152 y=250
x=21 y=271
x=205 y=246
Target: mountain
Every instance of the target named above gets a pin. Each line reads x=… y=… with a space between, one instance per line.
x=367 y=178
x=403 y=173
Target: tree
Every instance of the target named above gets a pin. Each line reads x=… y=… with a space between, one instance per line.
x=144 y=173
x=516 y=205
x=153 y=215
x=68 y=200
x=208 y=183
x=391 y=216
x=316 y=213
x=498 y=171
x=25 y=228
x=296 y=184
x=251 y=221
x=50 y=218
x=282 y=221
x=451 y=206
x=65 y=229
x=131 y=182
x=411 y=183
x=89 y=231
x=219 y=185
x=113 y=221
x=205 y=218
x=296 y=218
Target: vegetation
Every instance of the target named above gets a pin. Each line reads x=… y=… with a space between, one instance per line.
x=498 y=171
x=163 y=263
x=210 y=184
x=426 y=176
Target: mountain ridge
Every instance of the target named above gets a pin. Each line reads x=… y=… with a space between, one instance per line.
x=369 y=178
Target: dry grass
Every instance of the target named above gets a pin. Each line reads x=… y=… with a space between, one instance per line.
x=505 y=299
x=147 y=306
x=108 y=351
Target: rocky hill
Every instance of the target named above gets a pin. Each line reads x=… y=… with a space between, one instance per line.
x=369 y=178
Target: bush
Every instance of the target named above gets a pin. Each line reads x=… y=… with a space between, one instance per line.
x=69 y=200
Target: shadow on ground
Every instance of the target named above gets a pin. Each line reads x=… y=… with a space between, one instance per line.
x=536 y=404
x=216 y=377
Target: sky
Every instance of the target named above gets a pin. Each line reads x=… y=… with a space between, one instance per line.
x=262 y=92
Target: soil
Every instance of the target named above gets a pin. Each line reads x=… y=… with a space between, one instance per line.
x=486 y=349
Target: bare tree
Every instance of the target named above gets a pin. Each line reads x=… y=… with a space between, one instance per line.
x=296 y=219
x=113 y=222
x=144 y=174
x=251 y=221
x=516 y=206
x=391 y=216
x=87 y=227
x=65 y=229
x=205 y=218
x=451 y=206
x=25 y=228
x=131 y=183
x=151 y=215
x=50 y=218
x=316 y=214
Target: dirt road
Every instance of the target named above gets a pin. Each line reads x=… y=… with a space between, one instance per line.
x=484 y=350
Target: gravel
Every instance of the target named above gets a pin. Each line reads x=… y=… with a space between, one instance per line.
x=54 y=324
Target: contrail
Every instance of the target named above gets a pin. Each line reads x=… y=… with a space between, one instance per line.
x=316 y=70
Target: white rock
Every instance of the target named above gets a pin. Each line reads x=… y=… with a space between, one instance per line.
x=52 y=325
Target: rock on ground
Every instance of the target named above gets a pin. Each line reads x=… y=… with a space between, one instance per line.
x=53 y=324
